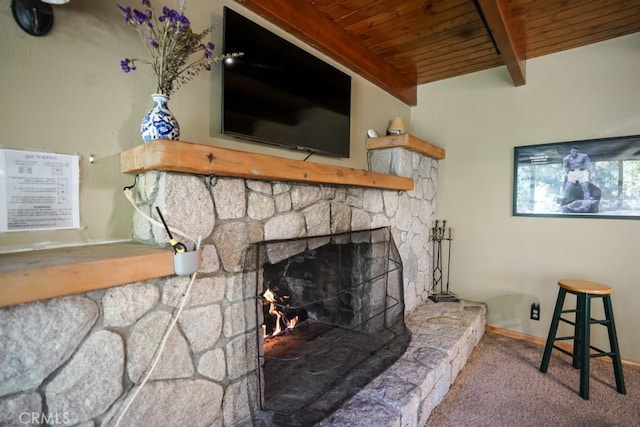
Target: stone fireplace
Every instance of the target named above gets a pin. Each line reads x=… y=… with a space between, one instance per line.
x=81 y=358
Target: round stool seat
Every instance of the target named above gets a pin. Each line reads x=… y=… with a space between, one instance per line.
x=584 y=287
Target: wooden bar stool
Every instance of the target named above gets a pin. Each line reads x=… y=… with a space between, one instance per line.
x=581 y=354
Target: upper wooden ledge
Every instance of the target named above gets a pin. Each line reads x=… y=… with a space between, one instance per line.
x=408 y=142
x=179 y=156
x=43 y=274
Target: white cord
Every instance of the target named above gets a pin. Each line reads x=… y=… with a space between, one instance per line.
x=158 y=352
x=129 y=196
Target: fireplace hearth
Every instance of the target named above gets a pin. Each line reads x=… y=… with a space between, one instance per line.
x=330 y=319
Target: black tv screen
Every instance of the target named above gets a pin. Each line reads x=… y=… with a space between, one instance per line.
x=279 y=94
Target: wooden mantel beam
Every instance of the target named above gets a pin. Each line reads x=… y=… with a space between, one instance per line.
x=501 y=24
x=201 y=159
x=303 y=21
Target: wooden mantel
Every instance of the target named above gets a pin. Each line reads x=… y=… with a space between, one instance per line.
x=408 y=142
x=38 y=275
x=200 y=159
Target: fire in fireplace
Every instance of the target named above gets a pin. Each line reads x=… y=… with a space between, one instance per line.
x=331 y=318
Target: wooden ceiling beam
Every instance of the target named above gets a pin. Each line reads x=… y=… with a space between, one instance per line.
x=502 y=27
x=309 y=25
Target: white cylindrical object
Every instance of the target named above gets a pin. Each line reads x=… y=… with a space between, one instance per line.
x=185 y=263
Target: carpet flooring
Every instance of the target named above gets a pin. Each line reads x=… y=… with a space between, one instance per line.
x=501 y=385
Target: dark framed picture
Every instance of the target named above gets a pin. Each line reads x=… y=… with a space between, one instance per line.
x=596 y=178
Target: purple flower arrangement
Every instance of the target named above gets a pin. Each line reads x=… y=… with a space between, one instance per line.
x=177 y=53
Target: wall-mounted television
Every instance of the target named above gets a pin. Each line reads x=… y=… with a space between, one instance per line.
x=277 y=93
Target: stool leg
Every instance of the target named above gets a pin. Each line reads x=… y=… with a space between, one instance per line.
x=577 y=331
x=584 y=346
x=613 y=342
x=552 y=330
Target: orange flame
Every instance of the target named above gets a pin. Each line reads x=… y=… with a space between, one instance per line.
x=273 y=310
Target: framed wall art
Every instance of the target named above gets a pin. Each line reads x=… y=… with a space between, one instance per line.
x=597 y=178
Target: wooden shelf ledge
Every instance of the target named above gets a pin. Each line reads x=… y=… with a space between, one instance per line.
x=38 y=275
x=407 y=142
x=199 y=159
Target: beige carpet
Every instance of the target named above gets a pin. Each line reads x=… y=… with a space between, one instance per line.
x=501 y=385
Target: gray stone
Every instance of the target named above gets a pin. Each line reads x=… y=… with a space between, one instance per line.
x=195 y=402
x=411 y=298
x=18 y=410
x=282 y=202
x=380 y=161
x=280 y=188
x=372 y=201
x=360 y=220
x=232 y=240
x=212 y=364
x=360 y=412
x=240 y=286
x=420 y=243
x=204 y=291
x=186 y=204
x=401 y=395
x=234 y=319
x=415 y=373
x=260 y=186
x=144 y=195
x=340 y=218
x=174 y=288
x=146 y=337
x=340 y=194
x=305 y=195
x=403 y=214
x=124 y=305
x=260 y=206
x=237 y=402
x=202 y=326
x=355 y=196
x=237 y=362
x=402 y=163
x=147 y=187
x=380 y=220
x=416 y=210
x=36 y=338
x=91 y=381
x=142 y=226
x=426 y=214
x=317 y=219
x=210 y=259
x=278 y=251
x=284 y=226
x=390 y=200
x=230 y=198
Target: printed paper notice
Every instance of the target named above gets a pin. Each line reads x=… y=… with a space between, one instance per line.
x=38 y=191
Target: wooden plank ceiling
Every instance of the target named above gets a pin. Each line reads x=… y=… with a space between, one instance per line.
x=399 y=44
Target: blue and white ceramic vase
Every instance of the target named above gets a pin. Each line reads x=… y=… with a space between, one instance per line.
x=159 y=122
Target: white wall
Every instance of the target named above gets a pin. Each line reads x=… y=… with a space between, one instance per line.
x=65 y=93
x=510 y=262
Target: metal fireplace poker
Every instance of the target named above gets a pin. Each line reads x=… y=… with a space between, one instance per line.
x=437 y=236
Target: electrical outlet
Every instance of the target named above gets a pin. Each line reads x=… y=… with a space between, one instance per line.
x=535 y=311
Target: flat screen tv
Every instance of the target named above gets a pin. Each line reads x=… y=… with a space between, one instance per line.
x=277 y=93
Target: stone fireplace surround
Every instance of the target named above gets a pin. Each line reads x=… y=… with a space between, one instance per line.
x=76 y=358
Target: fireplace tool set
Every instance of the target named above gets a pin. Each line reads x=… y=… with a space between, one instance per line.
x=437 y=236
